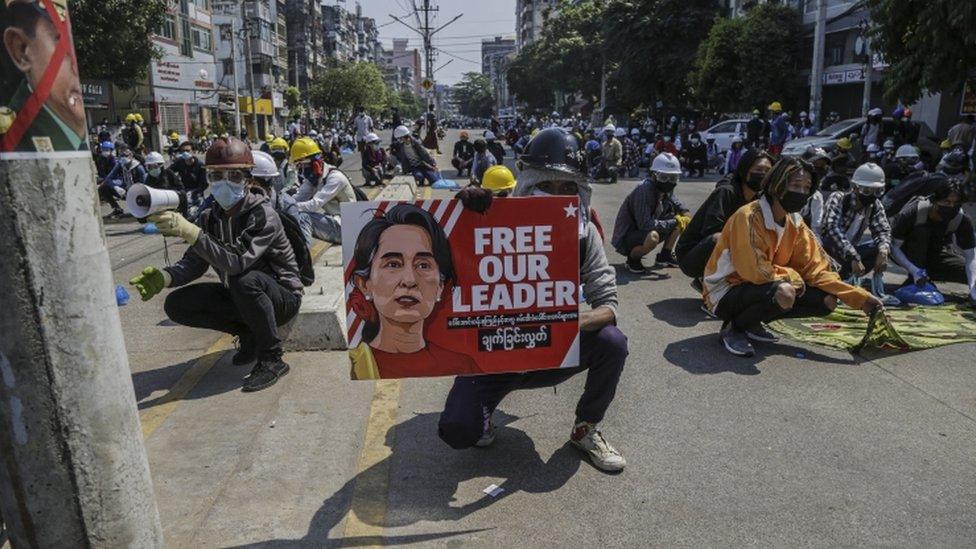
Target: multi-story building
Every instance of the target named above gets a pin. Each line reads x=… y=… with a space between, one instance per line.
x=306 y=44
x=255 y=59
x=368 y=44
x=182 y=90
x=340 y=30
x=530 y=19
x=407 y=62
x=494 y=52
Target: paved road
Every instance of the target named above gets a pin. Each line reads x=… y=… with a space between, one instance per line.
x=794 y=447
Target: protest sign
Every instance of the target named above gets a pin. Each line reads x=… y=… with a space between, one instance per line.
x=434 y=289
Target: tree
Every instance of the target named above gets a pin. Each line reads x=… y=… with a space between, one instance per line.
x=664 y=36
x=344 y=87
x=715 y=83
x=113 y=37
x=475 y=95
x=930 y=45
x=770 y=50
x=293 y=100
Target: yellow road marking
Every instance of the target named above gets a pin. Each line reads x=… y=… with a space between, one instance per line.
x=152 y=418
x=368 y=505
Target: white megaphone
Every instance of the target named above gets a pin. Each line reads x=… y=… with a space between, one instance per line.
x=143 y=201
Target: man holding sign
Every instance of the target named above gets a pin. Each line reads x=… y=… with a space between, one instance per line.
x=552 y=166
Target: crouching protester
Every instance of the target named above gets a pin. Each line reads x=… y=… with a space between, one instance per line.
x=733 y=191
x=767 y=265
x=848 y=215
x=932 y=239
x=651 y=215
x=242 y=239
x=552 y=166
x=323 y=189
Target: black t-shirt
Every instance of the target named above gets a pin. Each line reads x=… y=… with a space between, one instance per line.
x=903 y=224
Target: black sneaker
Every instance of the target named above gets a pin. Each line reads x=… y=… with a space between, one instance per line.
x=736 y=342
x=265 y=374
x=635 y=266
x=666 y=259
x=246 y=351
x=761 y=334
x=696 y=283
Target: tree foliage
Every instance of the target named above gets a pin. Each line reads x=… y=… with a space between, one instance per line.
x=113 y=37
x=930 y=45
x=344 y=87
x=474 y=95
x=749 y=62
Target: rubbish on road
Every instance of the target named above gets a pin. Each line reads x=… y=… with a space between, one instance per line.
x=121 y=296
x=927 y=294
x=150 y=228
x=493 y=490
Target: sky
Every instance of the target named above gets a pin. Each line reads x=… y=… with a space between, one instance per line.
x=460 y=41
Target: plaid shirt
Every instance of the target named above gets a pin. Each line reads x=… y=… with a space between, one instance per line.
x=631 y=153
x=839 y=214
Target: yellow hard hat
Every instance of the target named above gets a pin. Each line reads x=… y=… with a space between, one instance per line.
x=498 y=178
x=278 y=144
x=269 y=137
x=302 y=148
x=130 y=118
x=844 y=144
x=173 y=136
x=775 y=106
x=945 y=144
x=138 y=117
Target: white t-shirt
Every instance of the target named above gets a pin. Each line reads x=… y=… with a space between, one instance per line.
x=364 y=125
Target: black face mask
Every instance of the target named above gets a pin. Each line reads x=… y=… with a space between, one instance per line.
x=793 y=201
x=754 y=181
x=948 y=212
x=865 y=199
x=666 y=187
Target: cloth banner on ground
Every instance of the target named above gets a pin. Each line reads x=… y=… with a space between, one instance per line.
x=908 y=329
x=434 y=289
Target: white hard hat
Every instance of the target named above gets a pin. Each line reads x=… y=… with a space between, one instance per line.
x=372 y=137
x=803 y=114
x=666 y=163
x=874 y=112
x=889 y=144
x=869 y=175
x=873 y=148
x=489 y=134
x=154 y=158
x=737 y=139
x=906 y=151
x=401 y=131
x=264 y=165
x=610 y=128
x=634 y=131
x=312 y=133
x=620 y=132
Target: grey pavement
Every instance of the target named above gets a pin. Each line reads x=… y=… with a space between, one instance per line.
x=798 y=446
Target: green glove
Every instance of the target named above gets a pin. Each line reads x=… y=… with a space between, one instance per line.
x=150 y=282
x=174 y=224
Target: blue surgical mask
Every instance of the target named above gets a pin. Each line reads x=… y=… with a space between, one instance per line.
x=184 y=155
x=155 y=171
x=226 y=193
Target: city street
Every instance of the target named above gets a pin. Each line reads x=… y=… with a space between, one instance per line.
x=797 y=446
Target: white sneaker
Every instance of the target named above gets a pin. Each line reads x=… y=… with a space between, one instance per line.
x=487 y=438
x=590 y=441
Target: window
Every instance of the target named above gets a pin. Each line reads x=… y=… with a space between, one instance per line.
x=168 y=29
x=202 y=4
x=834 y=48
x=186 y=39
x=202 y=38
x=724 y=127
x=228 y=66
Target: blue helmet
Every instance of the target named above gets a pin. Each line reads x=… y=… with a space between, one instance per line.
x=107 y=146
x=592 y=145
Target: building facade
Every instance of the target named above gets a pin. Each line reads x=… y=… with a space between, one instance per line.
x=407 y=64
x=530 y=19
x=496 y=54
x=306 y=44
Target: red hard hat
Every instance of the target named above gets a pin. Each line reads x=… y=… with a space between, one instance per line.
x=229 y=152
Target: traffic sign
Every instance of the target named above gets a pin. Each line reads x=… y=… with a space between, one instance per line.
x=427 y=84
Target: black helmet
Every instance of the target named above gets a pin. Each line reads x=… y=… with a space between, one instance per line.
x=553 y=149
x=954 y=162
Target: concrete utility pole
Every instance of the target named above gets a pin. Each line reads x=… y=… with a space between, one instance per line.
x=246 y=33
x=816 y=73
x=233 y=64
x=73 y=469
x=426 y=33
x=868 y=68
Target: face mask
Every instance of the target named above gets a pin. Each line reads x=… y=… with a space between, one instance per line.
x=226 y=193
x=793 y=201
x=865 y=199
x=948 y=212
x=754 y=181
x=106 y=154
x=694 y=141
x=666 y=139
x=155 y=171
x=278 y=156
x=184 y=155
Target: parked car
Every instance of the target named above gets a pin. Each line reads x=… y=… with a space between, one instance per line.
x=827 y=138
x=723 y=132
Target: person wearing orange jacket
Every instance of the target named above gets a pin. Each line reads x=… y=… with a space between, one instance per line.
x=768 y=265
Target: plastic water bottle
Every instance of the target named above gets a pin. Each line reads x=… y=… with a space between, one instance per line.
x=121 y=296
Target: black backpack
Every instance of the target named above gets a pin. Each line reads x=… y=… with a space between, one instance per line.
x=306 y=271
x=360 y=194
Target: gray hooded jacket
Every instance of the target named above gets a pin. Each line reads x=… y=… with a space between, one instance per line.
x=597 y=276
x=253 y=238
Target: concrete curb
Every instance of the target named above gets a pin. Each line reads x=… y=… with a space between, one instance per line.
x=321 y=321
